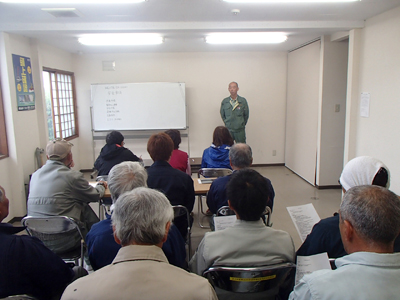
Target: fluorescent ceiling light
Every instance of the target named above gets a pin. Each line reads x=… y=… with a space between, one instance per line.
x=246 y=38
x=120 y=39
x=291 y=1
x=73 y=1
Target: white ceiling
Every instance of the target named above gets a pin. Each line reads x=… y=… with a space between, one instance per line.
x=184 y=23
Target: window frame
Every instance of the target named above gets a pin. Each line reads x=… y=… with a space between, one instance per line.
x=3 y=132
x=57 y=72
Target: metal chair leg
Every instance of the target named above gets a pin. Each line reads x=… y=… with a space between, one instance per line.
x=200 y=210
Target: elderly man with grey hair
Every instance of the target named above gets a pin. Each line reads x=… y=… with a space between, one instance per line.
x=240 y=157
x=369 y=223
x=57 y=190
x=325 y=235
x=102 y=247
x=141 y=221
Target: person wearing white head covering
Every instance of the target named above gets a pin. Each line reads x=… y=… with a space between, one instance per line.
x=362 y=170
x=325 y=235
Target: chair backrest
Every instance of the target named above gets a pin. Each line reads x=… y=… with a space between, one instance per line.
x=213 y=172
x=265 y=282
x=225 y=211
x=19 y=297
x=50 y=225
x=267 y=216
x=179 y=211
x=61 y=234
x=102 y=178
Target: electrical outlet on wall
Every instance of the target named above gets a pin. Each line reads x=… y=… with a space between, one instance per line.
x=273 y=152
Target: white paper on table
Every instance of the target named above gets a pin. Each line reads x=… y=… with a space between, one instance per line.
x=223 y=222
x=308 y=264
x=304 y=218
x=364 y=104
x=93 y=183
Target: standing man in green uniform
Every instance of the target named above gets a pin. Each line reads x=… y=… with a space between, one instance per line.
x=235 y=113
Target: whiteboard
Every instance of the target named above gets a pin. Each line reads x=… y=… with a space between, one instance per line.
x=138 y=106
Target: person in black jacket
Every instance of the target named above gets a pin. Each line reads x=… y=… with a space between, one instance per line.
x=113 y=153
x=175 y=184
x=27 y=265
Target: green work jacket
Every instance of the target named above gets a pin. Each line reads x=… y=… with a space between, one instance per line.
x=235 y=119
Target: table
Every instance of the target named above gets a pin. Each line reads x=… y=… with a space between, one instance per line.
x=200 y=189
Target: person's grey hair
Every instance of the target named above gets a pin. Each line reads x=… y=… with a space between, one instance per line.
x=125 y=177
x=1 y=194
x=141 y=216
x=241 y=155
x=373 y=211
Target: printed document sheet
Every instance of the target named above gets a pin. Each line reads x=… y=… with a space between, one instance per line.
x=304 y=217
x=308 y=264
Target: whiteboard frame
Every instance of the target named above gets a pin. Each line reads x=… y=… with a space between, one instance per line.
x=93 y=116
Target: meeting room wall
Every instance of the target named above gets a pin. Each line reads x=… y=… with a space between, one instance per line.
x=379 y=75
x=261 y=77
x=26 y=130
x=22 y=132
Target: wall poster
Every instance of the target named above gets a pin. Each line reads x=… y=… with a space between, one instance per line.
x=24 y=82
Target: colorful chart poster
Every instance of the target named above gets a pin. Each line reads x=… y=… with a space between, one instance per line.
x=24 y=82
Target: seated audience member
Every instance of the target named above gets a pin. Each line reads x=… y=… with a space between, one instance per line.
x=217 y=155
x=325 y=235
x=175 y=184
x=56 y=190
x=113 y=153
x=28 y=266
x=141 y=220
x=240 y=157
x=179 y=159
x=249 y=242
x=369 y=222
x=102 y=247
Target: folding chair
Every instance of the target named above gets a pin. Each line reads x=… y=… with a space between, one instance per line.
x=267 y=216
x=209 y=173
x=179 y=211
x=225 y=211
x=265 y=282
x=105 y=202
x=57 y=228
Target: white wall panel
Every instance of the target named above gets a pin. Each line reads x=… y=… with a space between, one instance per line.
x=302 y=110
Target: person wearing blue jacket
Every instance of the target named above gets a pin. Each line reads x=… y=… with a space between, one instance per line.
x=102 y=247
x=217 y=155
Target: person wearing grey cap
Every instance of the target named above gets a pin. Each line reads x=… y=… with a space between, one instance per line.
x=56 y=190
x=325 y=235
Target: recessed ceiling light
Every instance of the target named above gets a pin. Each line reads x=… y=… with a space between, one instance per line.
x=246 y=38
x=281 y=1
x=120 y=39
x=73 y=1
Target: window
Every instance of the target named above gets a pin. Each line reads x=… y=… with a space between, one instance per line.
x=59 y=88
x=3 y=135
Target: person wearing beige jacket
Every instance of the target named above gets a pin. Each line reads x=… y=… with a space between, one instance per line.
x=141 y=220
